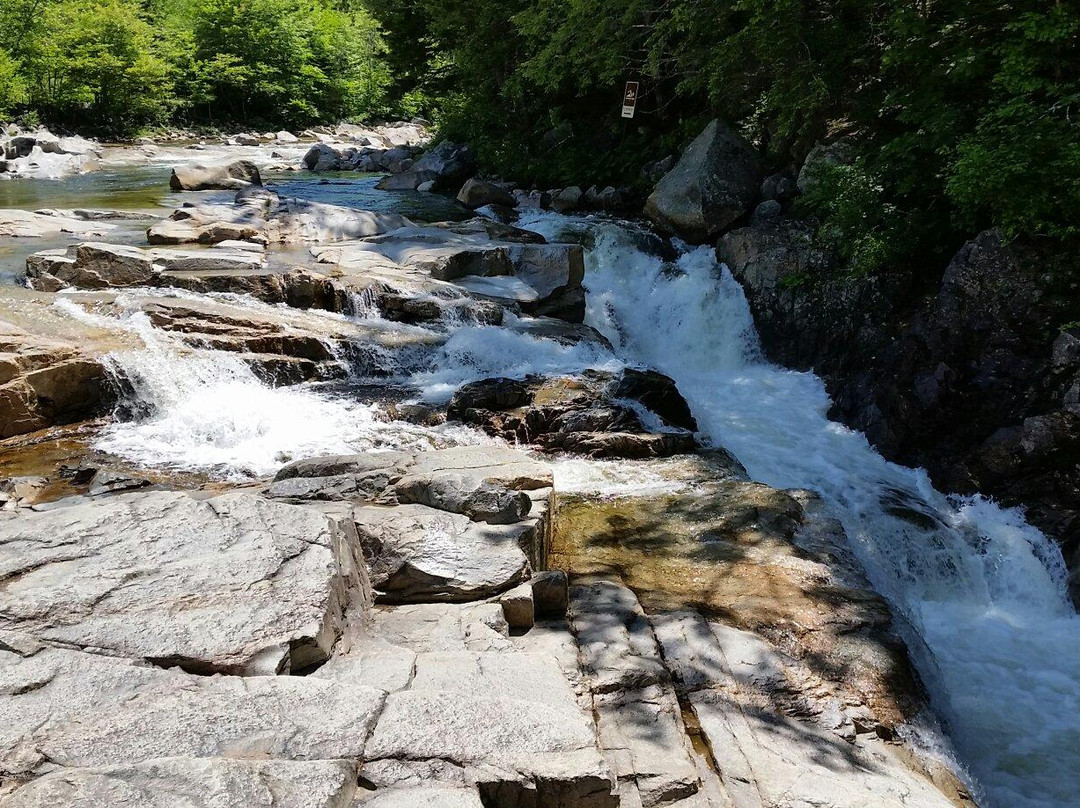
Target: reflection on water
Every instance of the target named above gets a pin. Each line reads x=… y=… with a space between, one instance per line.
x=145 y=188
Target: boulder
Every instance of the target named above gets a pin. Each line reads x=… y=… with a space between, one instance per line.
x=820 y=159
x=446 y=165
x=44 y=382
x=231 y=176
x=659 y=394
x=715 y=182
x=478 y=193
x=419 y=554
x=232 y=584
x=567 y=200
x=285 y=137
x=322 y=157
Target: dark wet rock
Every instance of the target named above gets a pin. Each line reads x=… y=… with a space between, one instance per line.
x=659 y=394
x=579 y=414
x=446 y=166
x=231 y=176
x=567 y=200
x=550 y=593
x=478 y=193
x=715 y=182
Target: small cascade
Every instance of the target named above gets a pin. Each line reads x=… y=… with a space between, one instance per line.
x=197 y=409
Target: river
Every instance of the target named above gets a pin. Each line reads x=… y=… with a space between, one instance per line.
x=981 y=593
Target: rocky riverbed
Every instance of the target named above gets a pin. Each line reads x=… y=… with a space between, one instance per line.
x=323 y=505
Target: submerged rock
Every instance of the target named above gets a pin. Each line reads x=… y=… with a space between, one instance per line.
x=715 y=182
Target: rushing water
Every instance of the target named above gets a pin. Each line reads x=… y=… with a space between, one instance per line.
x=981 y=592
x=985 y=592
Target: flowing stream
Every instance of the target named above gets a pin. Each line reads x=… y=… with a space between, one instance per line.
x=981 y=592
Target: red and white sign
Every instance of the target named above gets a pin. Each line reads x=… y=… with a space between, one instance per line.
x=629 y=99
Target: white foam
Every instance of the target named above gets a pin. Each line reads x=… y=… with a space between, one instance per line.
x=475 y=352
x=206 y=411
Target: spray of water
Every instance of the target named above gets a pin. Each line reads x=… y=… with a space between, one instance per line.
x=997 y=640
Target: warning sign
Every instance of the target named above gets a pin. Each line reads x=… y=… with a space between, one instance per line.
x=629 y=99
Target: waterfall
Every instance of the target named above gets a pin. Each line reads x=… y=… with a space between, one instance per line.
x=983 y=590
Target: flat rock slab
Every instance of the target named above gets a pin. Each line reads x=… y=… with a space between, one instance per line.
x=97 y=265
x=26 y=224
x=195 y=783
x=78 y=710
x=420 y=554
x=509 y=718
x=422 y=797
x=496 y=464
x=263 y=216
x=234 y=584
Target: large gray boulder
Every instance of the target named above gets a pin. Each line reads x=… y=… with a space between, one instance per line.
x=229 y=176
x=233 y=584
x=420 y=554
x=715 y=182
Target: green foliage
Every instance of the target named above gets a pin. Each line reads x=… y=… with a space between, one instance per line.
x=963 y=111
x=283 y=60
x=91 y=63
x=858 y=224
x=12 y=86
x=116 y=66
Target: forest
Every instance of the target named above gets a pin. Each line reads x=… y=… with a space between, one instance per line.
x=957 y=114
